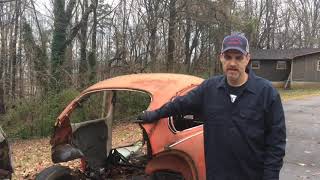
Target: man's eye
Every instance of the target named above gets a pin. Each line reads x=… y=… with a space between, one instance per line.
x=227 y=57
x=239 y=58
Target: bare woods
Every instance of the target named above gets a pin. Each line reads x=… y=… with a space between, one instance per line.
x=48 y=46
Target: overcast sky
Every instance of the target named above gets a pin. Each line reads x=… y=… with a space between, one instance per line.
x=45 y=6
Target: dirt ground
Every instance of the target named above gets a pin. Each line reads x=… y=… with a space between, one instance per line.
x=31 y=156
x=302 y=160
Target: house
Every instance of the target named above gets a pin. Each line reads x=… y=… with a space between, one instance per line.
x=296 y=67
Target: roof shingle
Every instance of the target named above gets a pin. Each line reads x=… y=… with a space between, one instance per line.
x=281 y=54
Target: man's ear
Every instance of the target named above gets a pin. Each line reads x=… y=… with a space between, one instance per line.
x=248 y=58
x=221 y=57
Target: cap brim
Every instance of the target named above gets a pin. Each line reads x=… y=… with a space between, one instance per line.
x=234 y=48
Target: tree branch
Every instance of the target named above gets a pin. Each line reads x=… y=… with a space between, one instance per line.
x=69 y=9
x=5 y=1
x=38 y=25
x=75 y=29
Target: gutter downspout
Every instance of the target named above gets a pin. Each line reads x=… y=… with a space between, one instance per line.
x=291 y=73
x=289 y=80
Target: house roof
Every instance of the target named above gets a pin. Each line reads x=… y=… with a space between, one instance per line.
x=281 y=54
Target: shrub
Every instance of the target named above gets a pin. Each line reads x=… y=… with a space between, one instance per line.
x=35 y=116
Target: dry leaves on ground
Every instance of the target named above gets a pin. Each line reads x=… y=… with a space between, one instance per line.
x=31 y=156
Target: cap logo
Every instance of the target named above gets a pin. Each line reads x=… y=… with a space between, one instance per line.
x=234 y=41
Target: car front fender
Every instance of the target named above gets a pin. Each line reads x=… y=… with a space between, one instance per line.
x=174 y=161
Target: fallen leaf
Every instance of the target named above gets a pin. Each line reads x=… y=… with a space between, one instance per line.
x=316 y=174
x=301 y=164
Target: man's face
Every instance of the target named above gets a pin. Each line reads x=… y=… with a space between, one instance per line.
x=234 y=65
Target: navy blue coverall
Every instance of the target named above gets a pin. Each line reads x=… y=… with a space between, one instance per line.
x=244 y=140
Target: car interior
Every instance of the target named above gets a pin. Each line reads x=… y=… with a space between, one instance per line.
x=93 y=121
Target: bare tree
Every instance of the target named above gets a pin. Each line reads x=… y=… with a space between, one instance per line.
x=92 y=59
x=38 y=58
x=306 y=13
x=2 y=59
x=61 y=39
x=83 y=68
x=171 y=36
x=13 y=48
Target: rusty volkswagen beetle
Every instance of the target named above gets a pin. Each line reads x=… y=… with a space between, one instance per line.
x=6 y=168
x=171 y=148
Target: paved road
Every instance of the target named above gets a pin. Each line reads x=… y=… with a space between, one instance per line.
x=302 y=159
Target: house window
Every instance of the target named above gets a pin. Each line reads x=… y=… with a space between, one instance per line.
x=255 y=65
x=318 y=65
x=281 y=65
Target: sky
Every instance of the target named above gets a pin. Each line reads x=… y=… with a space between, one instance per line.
x=45 y=6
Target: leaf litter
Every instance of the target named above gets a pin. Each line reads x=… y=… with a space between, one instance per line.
x=32 y=156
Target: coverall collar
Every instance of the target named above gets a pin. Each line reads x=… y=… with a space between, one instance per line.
x=250 y=82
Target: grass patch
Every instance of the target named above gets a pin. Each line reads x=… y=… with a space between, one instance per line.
x=297 y=93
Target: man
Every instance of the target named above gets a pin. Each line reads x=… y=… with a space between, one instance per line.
x=244 y=123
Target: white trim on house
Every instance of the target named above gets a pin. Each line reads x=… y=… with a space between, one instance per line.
x=318 y=65
x=255 y=64
x=281 y=65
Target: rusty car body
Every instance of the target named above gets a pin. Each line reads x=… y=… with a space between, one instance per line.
x=5 y=157
x=174 y=145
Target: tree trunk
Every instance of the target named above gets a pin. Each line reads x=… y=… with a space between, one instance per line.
x=58 y=45
x=187 y=51
x=124 y=31
x=171 y=36
x=152 y=10
x=93 y=53
x=60 y=41
x=268 y=23
x=2 y=59
x=8 y=62
x=13 y=49
x=83 y=68
x=20 y=65
x=38 y=57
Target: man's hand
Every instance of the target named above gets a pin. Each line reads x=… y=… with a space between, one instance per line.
x=148 y=116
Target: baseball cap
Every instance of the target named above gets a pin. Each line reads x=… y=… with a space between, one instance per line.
x=236 y=42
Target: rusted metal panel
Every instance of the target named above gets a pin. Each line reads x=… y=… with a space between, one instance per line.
x=6 y=168
x=162 y=88
x=174 y=161
x=155 y=84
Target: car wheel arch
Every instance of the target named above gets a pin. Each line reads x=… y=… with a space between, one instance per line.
x=175 y=161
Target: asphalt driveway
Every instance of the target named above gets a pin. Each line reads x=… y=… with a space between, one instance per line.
x=302 y=159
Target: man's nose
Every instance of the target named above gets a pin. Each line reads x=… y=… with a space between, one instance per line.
x=232 y=62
